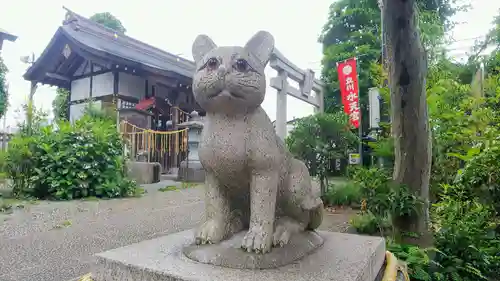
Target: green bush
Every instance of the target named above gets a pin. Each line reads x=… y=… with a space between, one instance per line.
x=343 y=194
x=368 y=223
x=19 y=163
x=318 y=140
x=466 y=235
x=480 y=177
x=418 y=260
x=73 y=161
x=383 y=197
x=466 y=244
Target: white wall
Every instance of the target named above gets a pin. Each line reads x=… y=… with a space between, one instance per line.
x=80 y=89
x=76 y=110
x=132 y=86
x=102 y=84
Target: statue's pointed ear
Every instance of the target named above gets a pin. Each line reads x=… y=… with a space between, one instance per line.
x=201 y=46
x=261 y=45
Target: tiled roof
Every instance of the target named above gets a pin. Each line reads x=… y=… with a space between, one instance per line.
x=7 y=36
x=107 y=43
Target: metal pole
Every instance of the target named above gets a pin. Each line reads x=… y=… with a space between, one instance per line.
x=360 y=128
x=30 y=112
x=382 y=41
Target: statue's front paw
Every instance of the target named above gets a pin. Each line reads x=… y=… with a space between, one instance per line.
x=211 y=232
x=285 y=228
x=258 y=239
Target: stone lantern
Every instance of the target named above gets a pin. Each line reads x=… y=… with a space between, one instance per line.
x=190 y=168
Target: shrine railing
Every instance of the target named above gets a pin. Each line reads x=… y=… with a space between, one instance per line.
x=164 y=147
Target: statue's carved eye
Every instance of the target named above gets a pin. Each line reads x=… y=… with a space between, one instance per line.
x=241 y=65
x=212 y=63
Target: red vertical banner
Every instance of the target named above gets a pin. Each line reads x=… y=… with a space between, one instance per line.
x=349 y=90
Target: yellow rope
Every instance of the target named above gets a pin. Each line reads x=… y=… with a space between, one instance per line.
x=143 y=130
x=149 y=140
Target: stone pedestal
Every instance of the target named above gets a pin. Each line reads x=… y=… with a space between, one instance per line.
x=229 y=254
x=343 y=257
x=190 y=169
x=144 y=172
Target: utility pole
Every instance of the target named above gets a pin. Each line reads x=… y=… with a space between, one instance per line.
x=30 y=60
x=382 y=41
x=382 y=51
x=360 y=128
x=33 y=86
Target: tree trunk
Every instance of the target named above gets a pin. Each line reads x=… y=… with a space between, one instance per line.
x=407 y=68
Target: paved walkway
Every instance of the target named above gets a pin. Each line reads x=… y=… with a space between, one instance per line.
x=56 y=241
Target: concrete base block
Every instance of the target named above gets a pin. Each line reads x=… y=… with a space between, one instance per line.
x=343 y=257
x=191 y=171
x=144 y=172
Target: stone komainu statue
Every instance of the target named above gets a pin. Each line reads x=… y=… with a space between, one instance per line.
x=252 y=181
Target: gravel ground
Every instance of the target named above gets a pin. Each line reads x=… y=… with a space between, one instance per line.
x=56 y=241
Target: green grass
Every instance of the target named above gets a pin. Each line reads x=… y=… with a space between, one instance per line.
x=8 y=205
x=139 y=192
x=168 y=188
x=189 y=184
x=368 y=223
x=343 y=194
x=184 y=185
x=63 y=224
x=90 y=198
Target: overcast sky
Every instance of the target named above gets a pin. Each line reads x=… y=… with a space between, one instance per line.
x=172 y=25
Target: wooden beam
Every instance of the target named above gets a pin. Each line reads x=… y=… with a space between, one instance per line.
x=82 y=72
x=168 y=82
x=68 y=102
x=121 y=97
x=116 y=84
x=88 y=55
x=91 y=79
x=58 y=77
x=66 y=62
x=74 y=65
x=91 y=74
